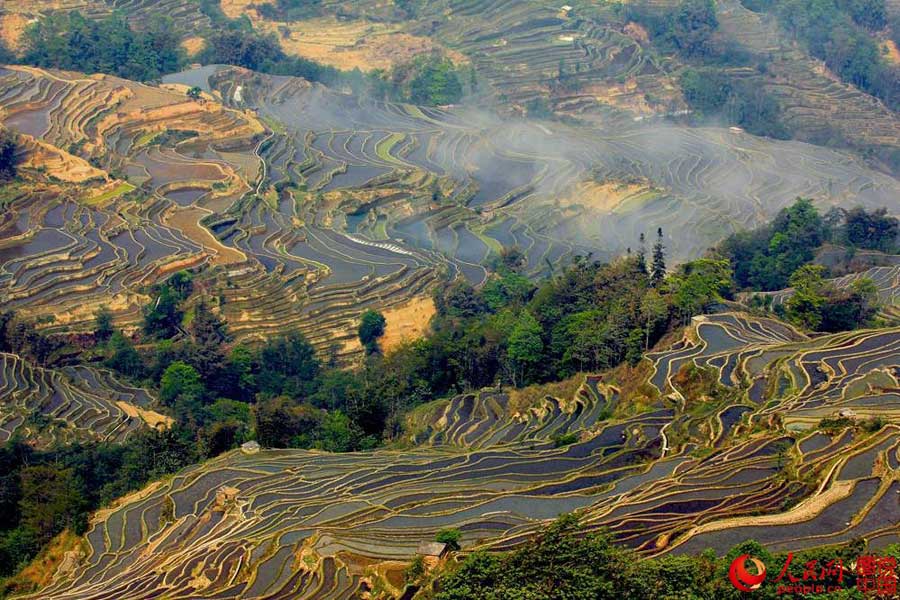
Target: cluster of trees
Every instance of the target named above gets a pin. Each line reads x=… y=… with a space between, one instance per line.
x=44 y=492
x=765 y=258
x=289 y=10
x=839 y=33
x=874 y=230
x=20 y=336
x=69 y=40
x=818 y=305
x=687 y=28
x=565 y=561
x=592 y=316
x=710 y=88
x=241 y=46
x=712 y=92
x=428 y=79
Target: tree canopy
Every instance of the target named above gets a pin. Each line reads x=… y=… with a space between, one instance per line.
x=69 y=40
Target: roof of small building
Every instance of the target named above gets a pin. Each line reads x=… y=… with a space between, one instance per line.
x=431 y=549
x=250 y=446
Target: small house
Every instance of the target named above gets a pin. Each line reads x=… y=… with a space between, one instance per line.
x=251 y=447
x=226 y=495
x=432 y=553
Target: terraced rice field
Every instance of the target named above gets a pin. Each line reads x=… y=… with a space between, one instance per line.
x=676 y=477
x=814 y=102
x=312 y=205
x=71 y=404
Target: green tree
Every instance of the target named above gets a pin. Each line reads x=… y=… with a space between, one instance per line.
x=50 y=501
x=8 y=148
x=563 y=561
x=68 y=40
x=123 y=357
x=874 y=230
x=285 y=423
x=103 y=325
x=436 y=82
x=654 y=311
x=194 y=93
x=525 y=346
x=162 y=316
x=337 y=433
x=371 y=327
x=658 y=267
x=765 y=258
x=692 y=29
x=449 y=536
x=642 y=253
x=287 y=366
x=180 y=380
x=804 y=307
x=700 y=283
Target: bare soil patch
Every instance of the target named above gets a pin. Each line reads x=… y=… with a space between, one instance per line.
x=407 y=322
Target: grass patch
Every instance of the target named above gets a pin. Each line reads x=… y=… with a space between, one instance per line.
x=147 y=138
x=384 y=147
x=120 y=190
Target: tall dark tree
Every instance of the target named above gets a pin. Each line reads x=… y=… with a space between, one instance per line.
x=7 y=155
x=658 y=268
x=103 y=325
x=642 y=253
x=163 y=315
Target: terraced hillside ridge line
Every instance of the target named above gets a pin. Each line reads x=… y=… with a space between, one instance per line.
x=71 y=404
x=683 y=474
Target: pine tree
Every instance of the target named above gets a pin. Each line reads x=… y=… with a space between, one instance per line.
x=642 y=255
x=658 y=272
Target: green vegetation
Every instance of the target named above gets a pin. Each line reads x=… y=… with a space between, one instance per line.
x=71 y=41
x=765 y=258
x=371 y=327
x=714 y=93
x=874 y=230
x=289 y=10
x=450 y=537
x=428 y=79
x=566 y=561
x=163 y=316
x=252 y=50
x=7 y=155
x=44 y=492
x=687 y=28
x=818 y=306
x=839 y=34
x=436 y=82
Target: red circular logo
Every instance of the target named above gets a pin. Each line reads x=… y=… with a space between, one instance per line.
x=743 y=579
